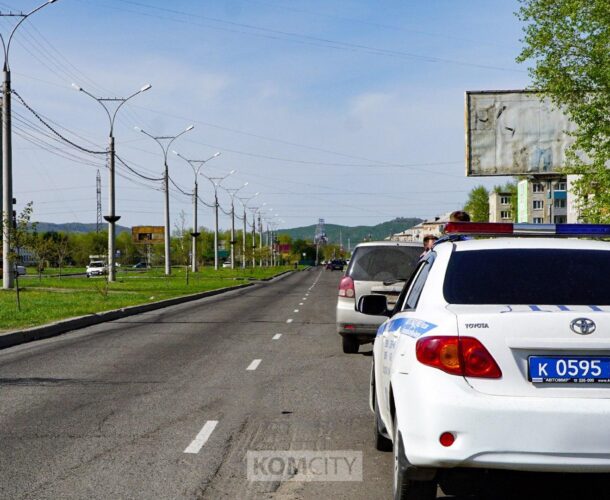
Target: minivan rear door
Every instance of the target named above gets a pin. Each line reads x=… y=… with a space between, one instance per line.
x=382 y=269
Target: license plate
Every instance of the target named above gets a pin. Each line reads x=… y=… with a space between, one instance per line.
x=569 y=369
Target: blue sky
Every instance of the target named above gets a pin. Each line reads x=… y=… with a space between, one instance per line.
x=351 y=111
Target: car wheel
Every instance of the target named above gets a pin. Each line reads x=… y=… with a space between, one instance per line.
x=382 y=443
x=350 y=345
x=405 y=488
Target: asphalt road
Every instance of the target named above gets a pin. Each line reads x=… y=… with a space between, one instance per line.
x=168 y=403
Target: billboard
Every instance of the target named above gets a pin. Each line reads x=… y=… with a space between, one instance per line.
x=515 y=132
x=147 y=235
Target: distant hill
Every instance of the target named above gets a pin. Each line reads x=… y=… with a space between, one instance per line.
x=75 y=227
x=355 y=234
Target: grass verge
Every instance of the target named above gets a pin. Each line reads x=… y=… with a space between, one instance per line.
x=51 y=299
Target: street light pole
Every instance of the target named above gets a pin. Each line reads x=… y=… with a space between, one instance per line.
x=260 y=233
x=232 y=193
x=164 y=142
x=7 y=151
x=244 y=202
x=254 y=212
x=196 y=166
x=111 y=218
x=216 y=184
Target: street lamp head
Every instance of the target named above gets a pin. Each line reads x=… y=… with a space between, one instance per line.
x=232 y=172
x=190 y=127
x=146 y=87
x=245 y=184
x=138 y=129
x=76 y=87
x=51 y=1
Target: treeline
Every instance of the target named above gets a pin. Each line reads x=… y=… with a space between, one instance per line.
x=58 y=249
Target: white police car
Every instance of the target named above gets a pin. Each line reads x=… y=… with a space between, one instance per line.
x=497 y=356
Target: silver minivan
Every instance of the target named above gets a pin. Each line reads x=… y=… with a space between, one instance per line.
x=375 y=267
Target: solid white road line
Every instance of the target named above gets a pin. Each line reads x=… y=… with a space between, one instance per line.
x=276 y=336
x=202 y=437
x=289 y=320
x=254 y=365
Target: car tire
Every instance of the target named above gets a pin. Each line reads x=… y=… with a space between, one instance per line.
x=405 y=488
x=382 y=443
x=350 y=345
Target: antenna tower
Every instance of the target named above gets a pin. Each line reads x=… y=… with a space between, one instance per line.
x=320 y=237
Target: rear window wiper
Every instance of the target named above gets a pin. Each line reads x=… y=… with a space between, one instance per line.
x=394 y=281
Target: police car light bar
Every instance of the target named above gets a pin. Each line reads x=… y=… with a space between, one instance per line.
x=506 y=229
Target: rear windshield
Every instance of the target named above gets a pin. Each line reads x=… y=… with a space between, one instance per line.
x=383 y=263
x=528 y=276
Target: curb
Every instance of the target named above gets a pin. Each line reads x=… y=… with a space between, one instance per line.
x=54 y=329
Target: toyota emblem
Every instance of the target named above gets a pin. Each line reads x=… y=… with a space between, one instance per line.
x=582 y=326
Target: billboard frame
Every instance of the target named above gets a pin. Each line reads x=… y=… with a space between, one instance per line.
x=469 y=132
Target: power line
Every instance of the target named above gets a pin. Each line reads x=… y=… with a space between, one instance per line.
x=307 y=39
x=65 y=139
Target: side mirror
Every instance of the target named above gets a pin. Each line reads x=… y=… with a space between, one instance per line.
x=373 y=305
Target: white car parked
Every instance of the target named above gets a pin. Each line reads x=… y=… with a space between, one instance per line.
x=497 y=356
x=96 y=268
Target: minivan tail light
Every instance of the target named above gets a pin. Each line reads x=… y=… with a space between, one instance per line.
x=464 y=356
x=346 y=288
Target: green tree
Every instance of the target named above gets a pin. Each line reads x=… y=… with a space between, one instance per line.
x=569 y=43
x=62 y=250
x=477 y=205
x=19 y=238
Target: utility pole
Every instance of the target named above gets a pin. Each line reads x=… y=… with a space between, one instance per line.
x=244 y=202
x=216 y=184
x=98 y=193
x=196 y=166
x=7 y=150
x=112 y=217
x=260 y=232
x=253 y=237
x=232 y=193
x=164 y=142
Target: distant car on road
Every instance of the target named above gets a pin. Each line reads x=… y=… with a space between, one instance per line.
x=336 y=265
x=496 y=356
x=375 y=267
x=19 y=270
x=96 y=268
x=226 y=264
x=140 y=265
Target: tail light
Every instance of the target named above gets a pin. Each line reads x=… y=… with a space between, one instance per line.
x=464 y=356
x=346 y=288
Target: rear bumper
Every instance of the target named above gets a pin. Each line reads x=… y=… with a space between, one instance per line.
x=500 y=432
x=352 y=322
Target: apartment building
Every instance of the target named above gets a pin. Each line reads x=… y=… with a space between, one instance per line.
x=543 y=201
x=500 y=207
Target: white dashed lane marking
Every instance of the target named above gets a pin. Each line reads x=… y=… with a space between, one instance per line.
x=254 y=365
x=296 y=310
x=289 y=320
x=276 y=336
x=300 y=303
x=202 y=437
